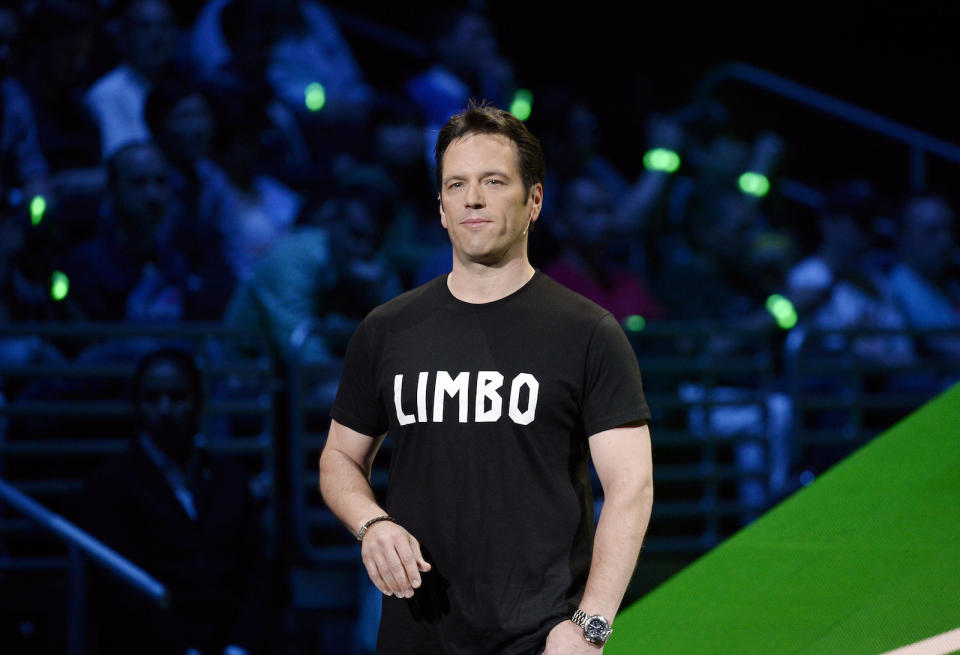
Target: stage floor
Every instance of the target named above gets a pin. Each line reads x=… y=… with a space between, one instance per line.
x=866 y=560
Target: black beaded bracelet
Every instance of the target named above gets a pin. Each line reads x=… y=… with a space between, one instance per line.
x=366 y=526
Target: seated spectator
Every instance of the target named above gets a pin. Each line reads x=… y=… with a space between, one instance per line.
x=205 y=204
x=468 y=65
x=324 y=273
x=400 y=181
x=925 y=288
x=129 y=270
x=574 y=151
x=711 y=262
x=265 y=207
x=845 y=224
x=713 y=272
x=311 y=49
x=585 y=230
x=186 y=517
x=116 y=100
x=292 y=50
x=839 y=287
x=230 y=44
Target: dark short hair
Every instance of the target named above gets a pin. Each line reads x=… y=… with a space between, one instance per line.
x=484 y=118
x=112 y=163
x=185 y=361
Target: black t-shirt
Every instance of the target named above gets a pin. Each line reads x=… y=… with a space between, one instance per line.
x=489 y=407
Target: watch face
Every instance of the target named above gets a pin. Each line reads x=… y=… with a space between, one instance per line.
x=595 y=628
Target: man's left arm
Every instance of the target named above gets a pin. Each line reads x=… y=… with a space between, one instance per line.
x=623 y=461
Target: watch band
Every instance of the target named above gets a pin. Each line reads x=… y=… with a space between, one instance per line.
x=579 y=617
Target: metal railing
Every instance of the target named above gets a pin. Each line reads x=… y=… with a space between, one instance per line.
x=694 y=374
x=306 y=509
x=920 y=143
x=841 y=401
x=81 y=543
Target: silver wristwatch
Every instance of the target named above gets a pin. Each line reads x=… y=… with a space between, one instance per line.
x=596 y=629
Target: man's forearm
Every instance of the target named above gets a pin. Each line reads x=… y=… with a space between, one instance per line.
x=616 y=546
x=346 y=490
x=390 y=554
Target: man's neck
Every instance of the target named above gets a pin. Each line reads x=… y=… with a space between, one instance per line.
x=478 y=283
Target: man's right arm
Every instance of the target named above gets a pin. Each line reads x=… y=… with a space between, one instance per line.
x=390 y=553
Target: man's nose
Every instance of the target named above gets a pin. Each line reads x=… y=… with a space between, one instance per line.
x=474 y=197
x=156 y=194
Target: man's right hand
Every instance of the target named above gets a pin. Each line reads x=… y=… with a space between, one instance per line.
x=393 y=559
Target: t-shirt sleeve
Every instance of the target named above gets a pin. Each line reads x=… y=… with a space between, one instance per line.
x=357 y=406
x=613 y=392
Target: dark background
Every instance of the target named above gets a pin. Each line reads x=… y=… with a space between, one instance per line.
x=633 y=59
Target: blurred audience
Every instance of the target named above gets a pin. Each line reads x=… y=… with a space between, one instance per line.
x=130 y=271
x=468 y=65
x=585 y=227
x=147 y=43
x=326 y=273
x=924 y=280
x=248 y=143
x=710 y=271
x=205 y=206
x=842 y=286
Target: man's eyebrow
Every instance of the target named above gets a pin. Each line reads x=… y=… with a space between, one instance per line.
x=490 y=173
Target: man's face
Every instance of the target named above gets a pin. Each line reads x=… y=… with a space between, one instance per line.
x=483 y=205
x=589 y=212
x=927 y=239
x=150 y=37
x=167 y=406
x=141 y=193
x=189 y=128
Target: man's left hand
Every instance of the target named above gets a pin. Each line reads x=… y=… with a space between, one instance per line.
x=566 y=638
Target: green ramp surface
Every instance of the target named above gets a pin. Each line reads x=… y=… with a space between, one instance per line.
x=864 y=560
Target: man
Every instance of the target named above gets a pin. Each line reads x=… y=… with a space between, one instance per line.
x=494 y=382
x=921 y=281
x=128 y=271
x=186 y=516
x=206 y=205
x=148 y=41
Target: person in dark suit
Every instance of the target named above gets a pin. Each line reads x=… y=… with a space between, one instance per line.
x=187 y=518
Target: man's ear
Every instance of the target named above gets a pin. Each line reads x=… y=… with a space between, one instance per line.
x=536 y=201
x=443 y=217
